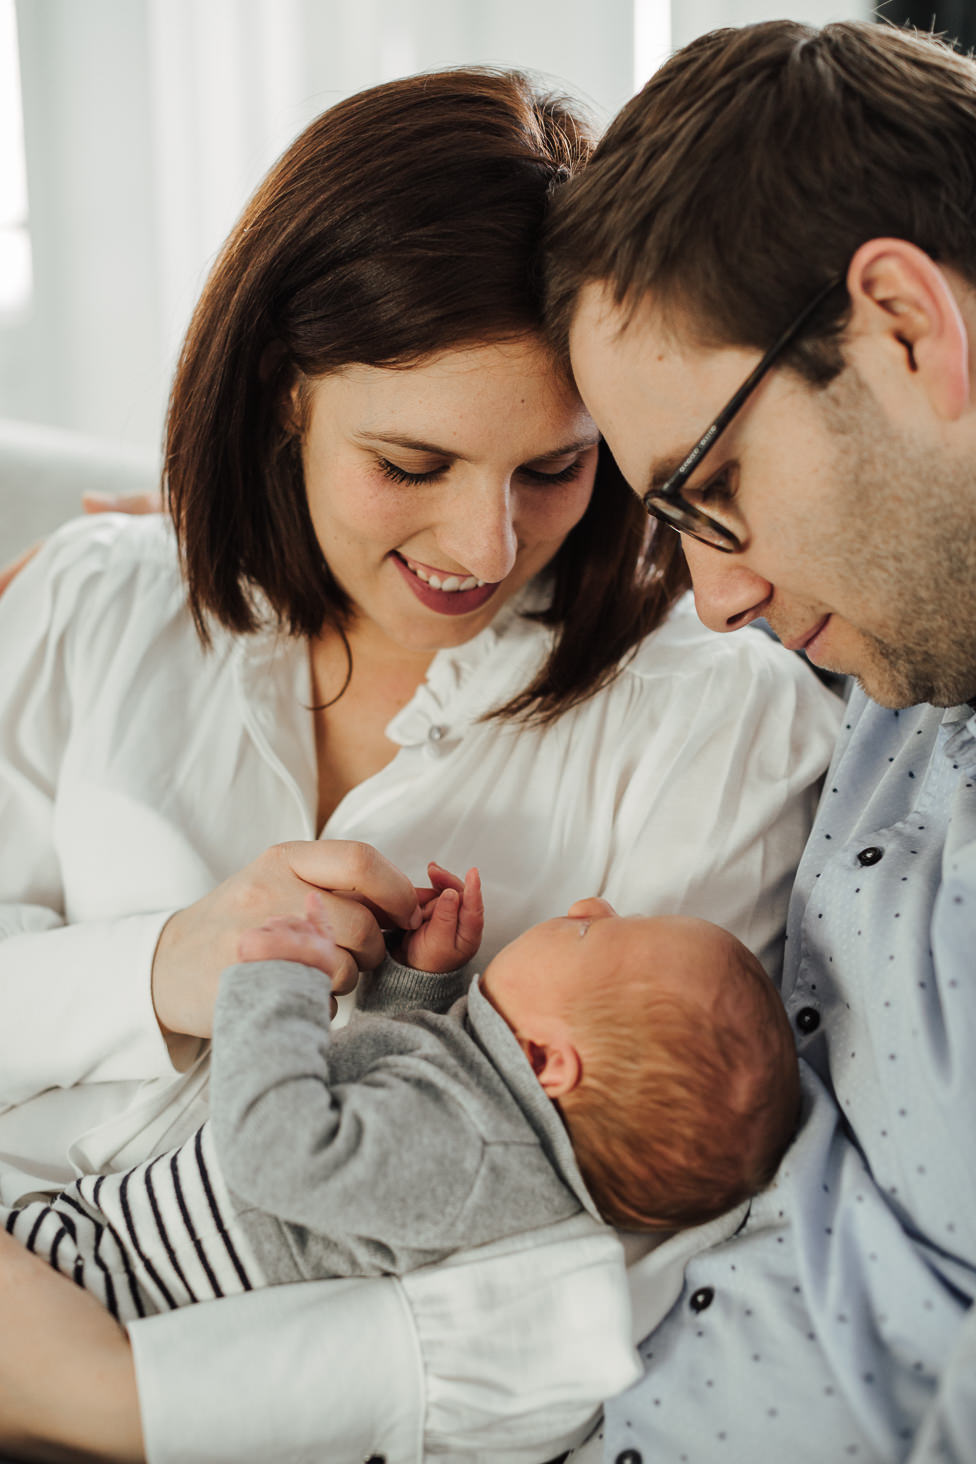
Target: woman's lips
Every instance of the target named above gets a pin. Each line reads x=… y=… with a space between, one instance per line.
x=445 y=601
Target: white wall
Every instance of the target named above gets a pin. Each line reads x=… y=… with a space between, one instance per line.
x=147 y=123
x=84 y=354
x=691 y=18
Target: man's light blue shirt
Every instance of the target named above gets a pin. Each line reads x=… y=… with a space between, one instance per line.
x=835 y=1322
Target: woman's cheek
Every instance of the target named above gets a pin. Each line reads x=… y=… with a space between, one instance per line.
x=563 y=510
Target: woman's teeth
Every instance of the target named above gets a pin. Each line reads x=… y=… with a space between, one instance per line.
x=450 y=582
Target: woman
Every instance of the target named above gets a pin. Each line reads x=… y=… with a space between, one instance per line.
x=416 y=611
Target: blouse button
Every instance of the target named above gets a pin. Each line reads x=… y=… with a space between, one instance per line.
x=702 y=1298
x=808 y=1020
x=870 y=855
x=629 y=1456
x=436 y=733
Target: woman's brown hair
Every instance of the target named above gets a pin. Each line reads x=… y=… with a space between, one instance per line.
x=404 y=221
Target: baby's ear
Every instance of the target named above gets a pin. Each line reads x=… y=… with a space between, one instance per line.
x=556 y=1064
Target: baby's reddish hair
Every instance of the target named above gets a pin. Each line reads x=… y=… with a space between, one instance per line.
x=685 y=1107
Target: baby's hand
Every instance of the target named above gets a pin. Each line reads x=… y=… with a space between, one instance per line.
x=287 y=938
x=453 y=922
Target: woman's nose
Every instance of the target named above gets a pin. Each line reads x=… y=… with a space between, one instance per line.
x=479 y=531
x=727 y=594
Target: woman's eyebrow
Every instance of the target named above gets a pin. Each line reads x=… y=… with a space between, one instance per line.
x=394 y=439
x=412 y=444
x=580 y=445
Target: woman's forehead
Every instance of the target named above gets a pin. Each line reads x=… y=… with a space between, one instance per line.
x=446 y=399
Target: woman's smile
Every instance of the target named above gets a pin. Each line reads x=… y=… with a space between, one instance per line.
x=437 y=493
x=443 y=590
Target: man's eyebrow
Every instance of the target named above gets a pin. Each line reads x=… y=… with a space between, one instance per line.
x=664 y=469
x=667 y=467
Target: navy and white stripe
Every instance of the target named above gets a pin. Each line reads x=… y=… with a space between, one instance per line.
x=153 y=1239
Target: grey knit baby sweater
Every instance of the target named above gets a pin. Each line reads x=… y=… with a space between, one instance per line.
x=387 y=1144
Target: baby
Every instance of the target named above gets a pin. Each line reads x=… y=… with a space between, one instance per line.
x=640 y=1068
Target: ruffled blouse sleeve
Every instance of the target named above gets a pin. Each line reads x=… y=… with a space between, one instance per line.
x=75 y=1003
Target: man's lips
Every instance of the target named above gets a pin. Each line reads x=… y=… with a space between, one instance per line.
x=804 y=641
x=449 y=601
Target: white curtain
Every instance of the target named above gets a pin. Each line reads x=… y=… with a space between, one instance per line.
x=148 y=122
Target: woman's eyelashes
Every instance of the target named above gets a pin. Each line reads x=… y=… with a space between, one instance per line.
x=562 y=475
x=397 y=474
x=400 y=475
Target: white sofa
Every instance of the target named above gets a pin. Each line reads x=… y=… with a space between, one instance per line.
x=44 y=471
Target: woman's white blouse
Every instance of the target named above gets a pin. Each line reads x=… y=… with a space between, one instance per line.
x=137 y=771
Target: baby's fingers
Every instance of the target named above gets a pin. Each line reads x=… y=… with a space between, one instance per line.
x=471 y=916
x=442 y=924
x=443 y=879
x=284 y=938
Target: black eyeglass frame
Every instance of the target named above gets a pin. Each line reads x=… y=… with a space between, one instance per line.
x=668 y=502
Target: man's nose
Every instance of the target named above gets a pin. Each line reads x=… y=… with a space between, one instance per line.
x=728 y=595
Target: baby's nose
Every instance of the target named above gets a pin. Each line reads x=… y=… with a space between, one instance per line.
x=592 y=908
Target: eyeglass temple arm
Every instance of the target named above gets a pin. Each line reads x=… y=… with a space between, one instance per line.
x=725 y=416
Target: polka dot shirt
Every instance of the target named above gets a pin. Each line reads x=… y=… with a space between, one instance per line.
x=834 y=1323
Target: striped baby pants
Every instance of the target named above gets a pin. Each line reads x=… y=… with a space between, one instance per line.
x=154 y=1238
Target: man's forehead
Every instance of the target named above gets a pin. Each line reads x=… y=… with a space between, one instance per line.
x=650 y=333
x=649 y=381
x=649 y=391
x=635 y=326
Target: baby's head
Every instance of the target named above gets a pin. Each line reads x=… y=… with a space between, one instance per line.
x=667 y=1049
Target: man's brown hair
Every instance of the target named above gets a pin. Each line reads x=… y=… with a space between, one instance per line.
x=752 y=166
x=403 y=222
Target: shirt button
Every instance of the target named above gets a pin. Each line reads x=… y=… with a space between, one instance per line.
x=702 y=1298
x=436 y=734
x=629 y=1456
x=808 y=1019
x=870 y=855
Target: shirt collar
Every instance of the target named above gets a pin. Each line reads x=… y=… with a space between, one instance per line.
x=462 y=683
x=959 y=724
x=466 y=681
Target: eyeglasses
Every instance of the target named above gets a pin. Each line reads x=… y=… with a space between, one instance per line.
x=668 y=502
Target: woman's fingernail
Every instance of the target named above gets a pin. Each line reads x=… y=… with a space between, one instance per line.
x=416 y=919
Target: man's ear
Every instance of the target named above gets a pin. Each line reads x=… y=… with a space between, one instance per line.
x=904 y=300
x=556 y=1064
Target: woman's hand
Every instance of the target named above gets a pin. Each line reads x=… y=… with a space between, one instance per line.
x=67 y=1381
x=361 y=893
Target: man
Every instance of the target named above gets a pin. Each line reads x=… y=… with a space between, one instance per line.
x=811 y=195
